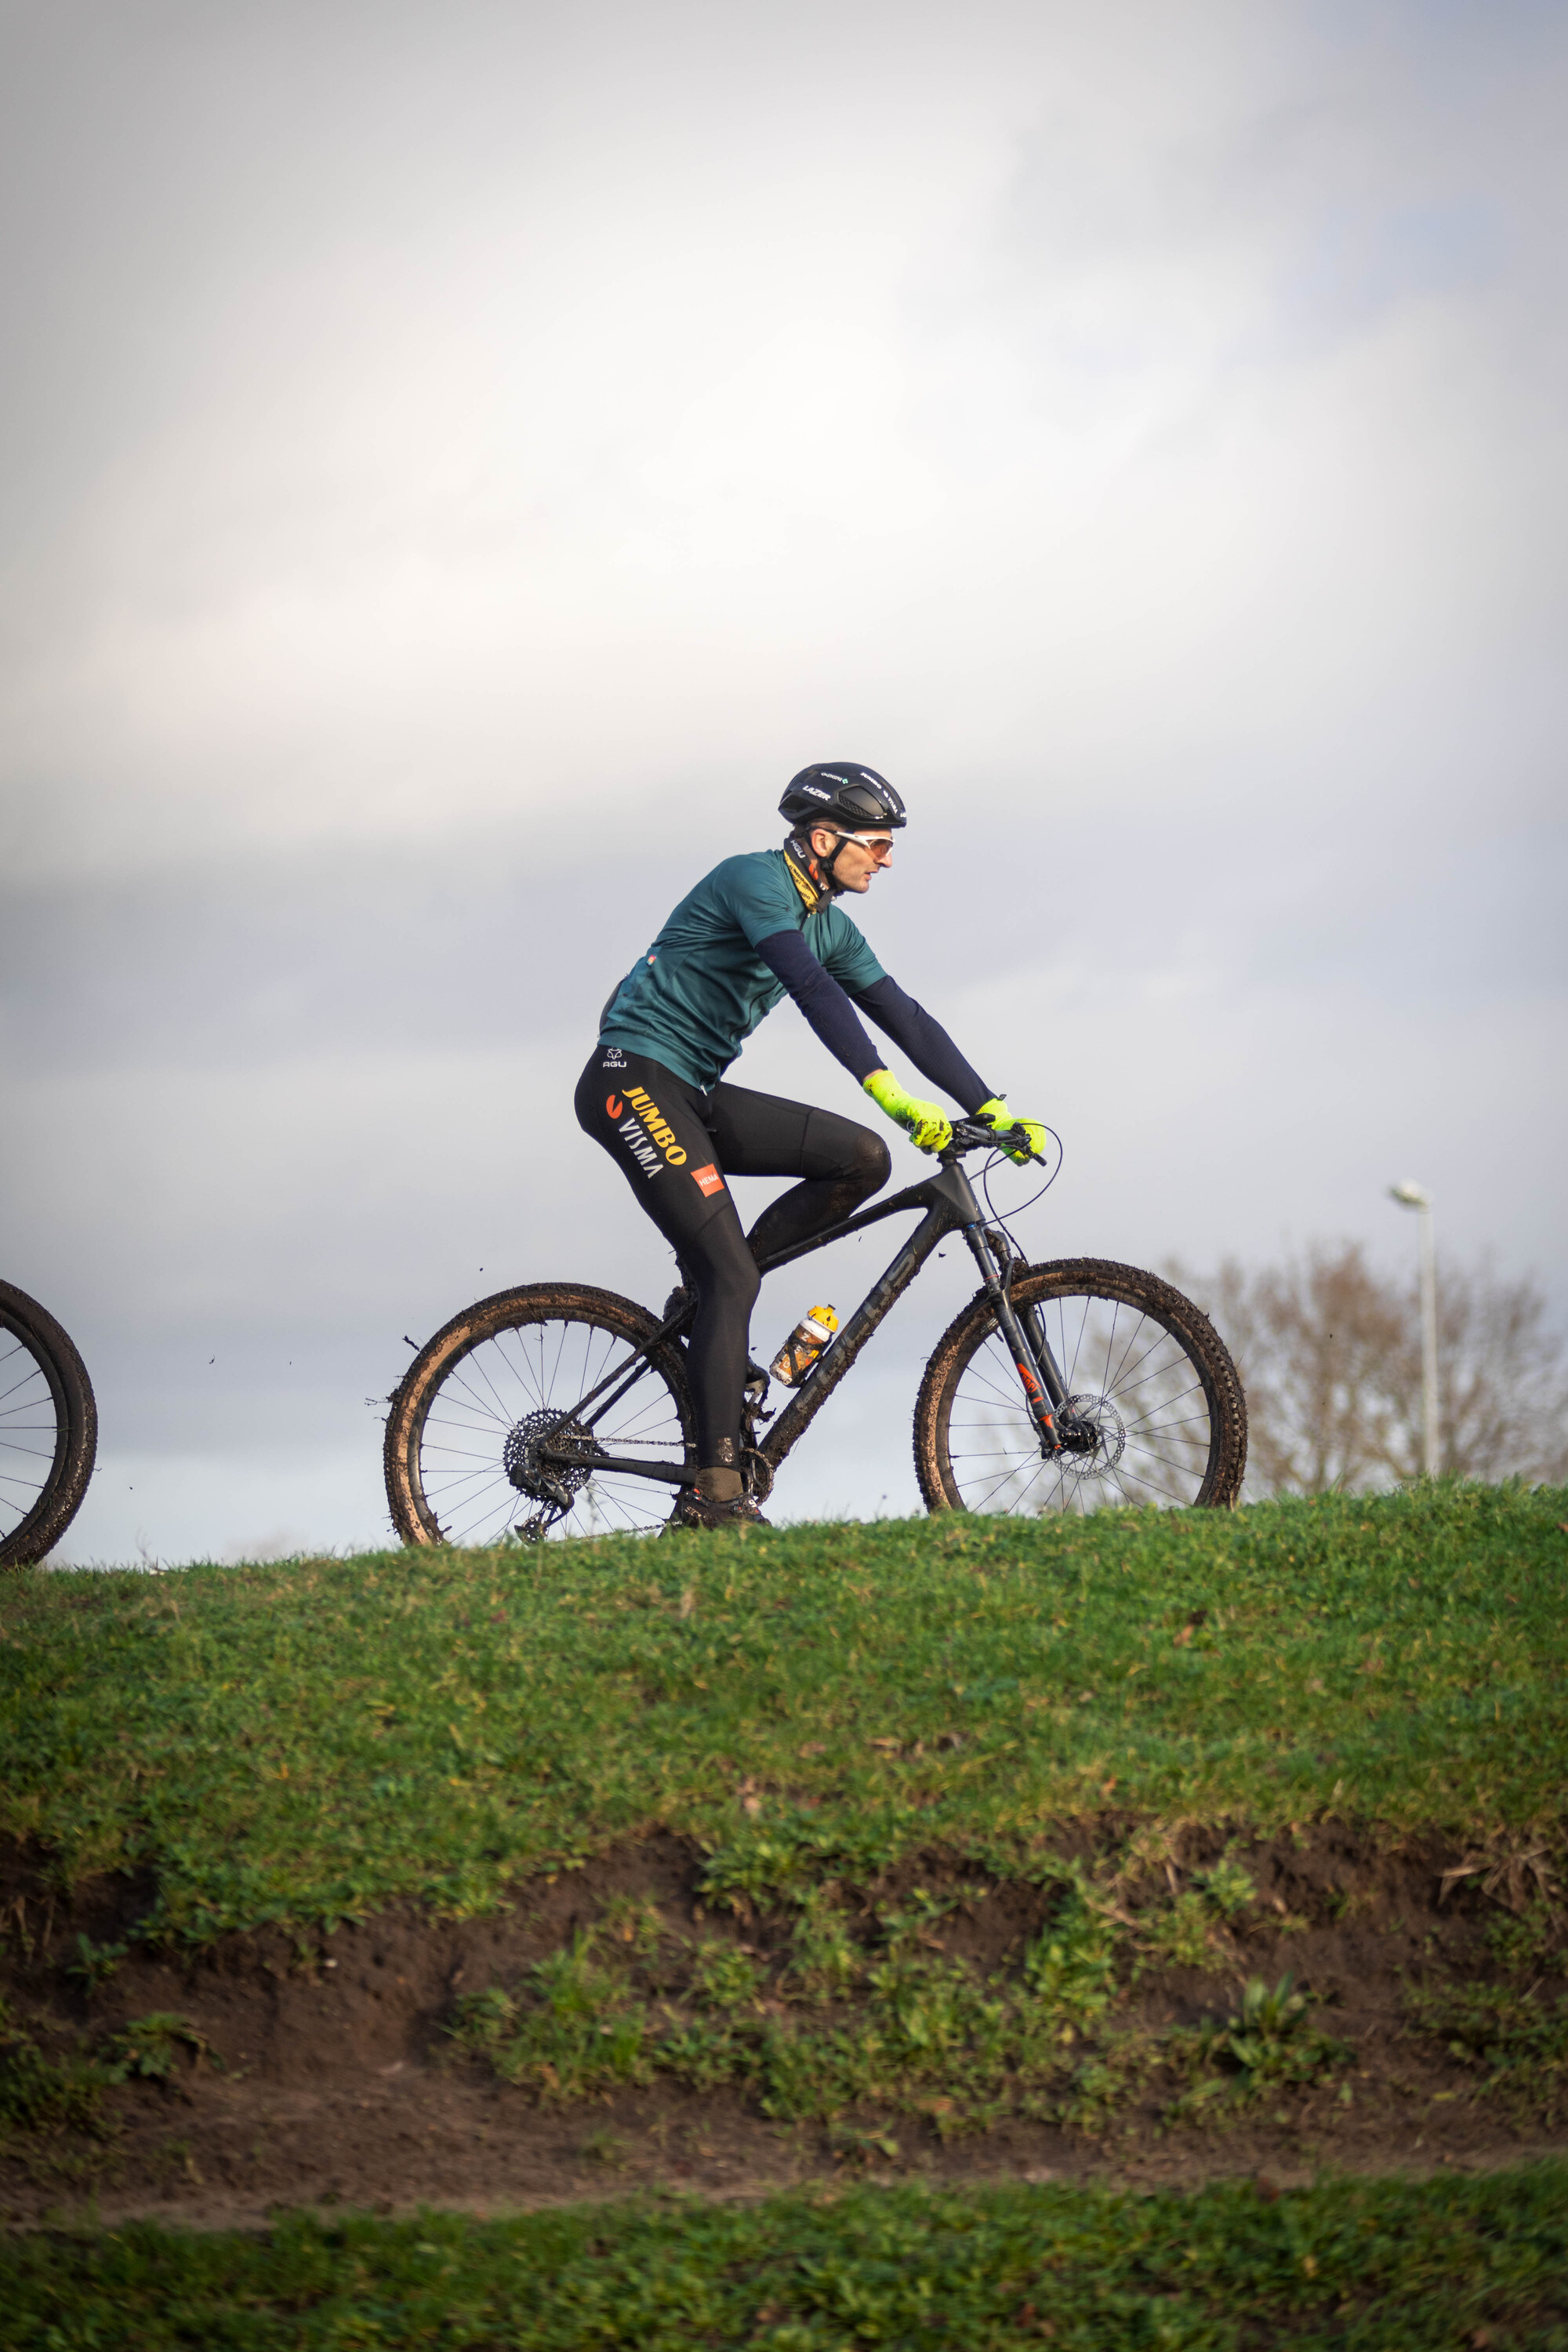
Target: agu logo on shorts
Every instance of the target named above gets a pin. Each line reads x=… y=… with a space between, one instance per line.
x=708 y=1179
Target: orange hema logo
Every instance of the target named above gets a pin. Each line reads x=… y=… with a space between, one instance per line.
x=613 y=1105
x=707 y=1178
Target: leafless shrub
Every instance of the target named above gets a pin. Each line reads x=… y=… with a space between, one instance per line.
x=1329 y=1354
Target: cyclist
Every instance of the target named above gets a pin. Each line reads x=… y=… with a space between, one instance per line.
x=653 y=1092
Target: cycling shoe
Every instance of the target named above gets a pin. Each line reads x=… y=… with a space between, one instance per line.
x=695 y=1510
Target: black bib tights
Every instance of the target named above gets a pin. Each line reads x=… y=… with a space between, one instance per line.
x=677 y=1144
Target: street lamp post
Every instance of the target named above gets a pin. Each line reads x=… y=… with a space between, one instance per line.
x=1411 y=1195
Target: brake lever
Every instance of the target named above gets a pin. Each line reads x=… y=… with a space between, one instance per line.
x=1016 y=1137
x=972 y=1134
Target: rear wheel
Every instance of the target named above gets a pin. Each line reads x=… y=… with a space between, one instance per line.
x=1155 y=1414
x=48 y=1430
x=463 y=1452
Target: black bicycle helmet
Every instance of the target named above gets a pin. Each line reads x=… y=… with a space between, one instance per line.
x=842 y=793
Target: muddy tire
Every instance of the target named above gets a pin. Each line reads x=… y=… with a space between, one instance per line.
x=48 y=1430
x=1158 y=1407
x=501 y=1370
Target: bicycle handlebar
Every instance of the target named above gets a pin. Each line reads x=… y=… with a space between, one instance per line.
x=969 y=1135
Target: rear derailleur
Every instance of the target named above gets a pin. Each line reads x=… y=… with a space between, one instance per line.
x=551 y=1484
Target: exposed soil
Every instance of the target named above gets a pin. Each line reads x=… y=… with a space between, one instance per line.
x=338 y=2083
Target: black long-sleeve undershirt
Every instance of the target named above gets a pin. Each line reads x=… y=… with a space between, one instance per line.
x=926 y=1043
x=832 y=1014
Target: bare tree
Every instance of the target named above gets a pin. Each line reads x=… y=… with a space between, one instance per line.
x=1502 y=1394
x=1329 y=1355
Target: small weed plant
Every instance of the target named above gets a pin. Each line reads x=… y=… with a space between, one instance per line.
x=47 y=2095
x=148 y=2049
x=1268 y=2045
x=1228 y=1888
x=1514 y=2042
x=93 y=1964
x=1183 y=1936
x=1070 y=1967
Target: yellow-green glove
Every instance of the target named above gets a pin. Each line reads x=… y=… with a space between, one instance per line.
x=926 y=1124
x=997 y=1116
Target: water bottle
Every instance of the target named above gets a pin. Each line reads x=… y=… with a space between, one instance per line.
x=804 y=1346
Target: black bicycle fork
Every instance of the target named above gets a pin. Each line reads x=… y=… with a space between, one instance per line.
x=1039 y=1375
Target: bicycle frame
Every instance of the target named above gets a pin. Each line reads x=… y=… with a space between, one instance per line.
x=949 y=1206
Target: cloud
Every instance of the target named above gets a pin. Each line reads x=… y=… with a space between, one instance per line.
x=607 y=415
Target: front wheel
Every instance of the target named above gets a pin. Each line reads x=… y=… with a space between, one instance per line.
x=1154 y=1411
x=463 y=1455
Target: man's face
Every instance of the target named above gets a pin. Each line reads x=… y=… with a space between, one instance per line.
x=860 y=854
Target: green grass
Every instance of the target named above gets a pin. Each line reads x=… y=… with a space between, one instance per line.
x=50 y=2096
x=911 y=2033
x=1516 y=2042
x=1441 y=2264
x=315 y=1740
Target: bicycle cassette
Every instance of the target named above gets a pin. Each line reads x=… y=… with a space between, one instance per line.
x=554 y=1482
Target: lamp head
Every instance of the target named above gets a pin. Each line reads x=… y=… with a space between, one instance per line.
x=1410 y=1194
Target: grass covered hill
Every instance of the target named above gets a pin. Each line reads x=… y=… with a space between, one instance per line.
x=312 y=1742
x=951 y=1877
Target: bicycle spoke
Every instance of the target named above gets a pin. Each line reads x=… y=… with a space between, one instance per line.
x=524 y=1373
x=1115 y=1388
x=1121 y=1471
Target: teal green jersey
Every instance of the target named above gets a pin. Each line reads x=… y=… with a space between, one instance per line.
x=696 y=996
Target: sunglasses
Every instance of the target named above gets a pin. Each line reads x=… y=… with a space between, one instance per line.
x=880 y=845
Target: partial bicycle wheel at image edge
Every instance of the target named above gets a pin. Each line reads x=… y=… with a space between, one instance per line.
x=48 y=1430
x=1154 y=1411
x=463 y=1457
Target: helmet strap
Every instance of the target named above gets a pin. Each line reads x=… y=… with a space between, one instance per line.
x=821 y=869
x=828 y=875
x=805 y=857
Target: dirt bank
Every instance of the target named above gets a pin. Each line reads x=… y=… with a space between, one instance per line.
x=322 y=2070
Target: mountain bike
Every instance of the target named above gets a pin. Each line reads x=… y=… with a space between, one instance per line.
x=48 y=1430
x=556 y=1409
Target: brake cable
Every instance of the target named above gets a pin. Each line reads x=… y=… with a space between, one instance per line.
x=997 y=1219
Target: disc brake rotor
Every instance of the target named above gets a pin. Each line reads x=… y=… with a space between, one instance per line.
x=1093 y=1436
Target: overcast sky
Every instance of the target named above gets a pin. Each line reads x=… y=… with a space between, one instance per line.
x=460 y=460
